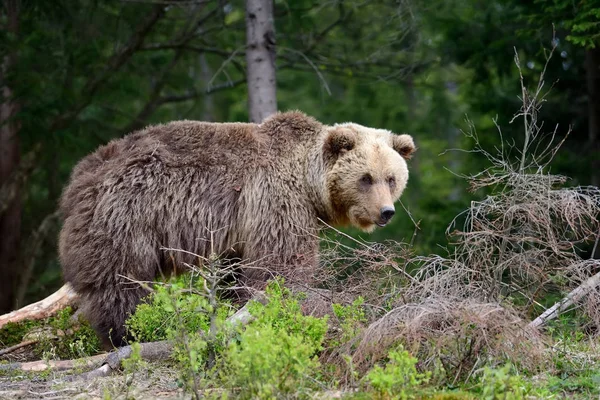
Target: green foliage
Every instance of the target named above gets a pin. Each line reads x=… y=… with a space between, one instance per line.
x=75 y=339
x=12 y=333
x=398 y=379
x=444 y=395
x=171 y=307
x=351 y=319
x=269 y=363
x=181 y=312
x=59 y=337
x=585 y=384
x=581 y=18
x=275 y=356
x=284 y=314
x=502 y=384
x=134 y=361
x=574 y=371
x=191 y=354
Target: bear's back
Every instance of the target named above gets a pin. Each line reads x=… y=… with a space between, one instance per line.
x=195 y=143
x=230 y=151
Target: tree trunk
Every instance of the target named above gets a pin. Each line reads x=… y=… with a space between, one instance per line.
x=208 y=103
x=10 y=219
x=260 y=59
x=592 y=66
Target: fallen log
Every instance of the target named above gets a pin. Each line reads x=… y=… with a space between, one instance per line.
x=63 y=297
x=151 y=351
x=573 y=297
x=54 y=365
x=16 y=347
x=106 y=364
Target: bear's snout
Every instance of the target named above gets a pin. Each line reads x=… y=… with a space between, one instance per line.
x=386 y=214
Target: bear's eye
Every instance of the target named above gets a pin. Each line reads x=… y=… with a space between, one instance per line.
x=366 y=179
x=391 y=181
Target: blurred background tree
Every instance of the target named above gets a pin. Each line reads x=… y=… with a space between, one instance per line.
x=75 y=75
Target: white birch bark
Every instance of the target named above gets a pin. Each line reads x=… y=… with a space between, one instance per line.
x=260 y=59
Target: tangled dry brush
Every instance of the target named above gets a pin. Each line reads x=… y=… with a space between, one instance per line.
x=528 y=237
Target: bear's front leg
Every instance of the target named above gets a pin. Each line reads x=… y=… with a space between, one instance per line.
x=291 y=254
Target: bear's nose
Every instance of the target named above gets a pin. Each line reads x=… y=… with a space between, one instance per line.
x=387 y=213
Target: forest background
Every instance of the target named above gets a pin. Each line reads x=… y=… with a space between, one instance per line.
x=77 y=74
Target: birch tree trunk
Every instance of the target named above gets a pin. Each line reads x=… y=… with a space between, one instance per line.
x=260 y=59
x=10 y=218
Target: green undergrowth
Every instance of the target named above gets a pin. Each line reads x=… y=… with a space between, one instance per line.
x=58 y=338
x=276 y=355
x=13 y=333
x=76 y=338
x=172 y=307
x=283 y=353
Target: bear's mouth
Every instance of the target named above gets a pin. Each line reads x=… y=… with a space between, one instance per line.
x=381 y=224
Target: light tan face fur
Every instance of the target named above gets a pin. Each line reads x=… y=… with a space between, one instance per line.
x=367 y=173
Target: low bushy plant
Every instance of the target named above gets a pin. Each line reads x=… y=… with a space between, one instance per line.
x=398 y=379
x=351 y=319
x=68 y=337
x=172 y=307
x=502 y=384
x=283 y=313
x=269 y=363
x=276 y=354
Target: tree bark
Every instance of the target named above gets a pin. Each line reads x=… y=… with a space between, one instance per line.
x=260 y=59
x=592 y=66
x=208 y=103
x=10 y=219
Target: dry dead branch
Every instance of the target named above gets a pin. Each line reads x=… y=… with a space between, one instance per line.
x=572 y=298
x=18 y=346
x=152 y=351
x=63 y=297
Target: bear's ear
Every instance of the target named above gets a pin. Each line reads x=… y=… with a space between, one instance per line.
x=404 y=145
x=340 y=140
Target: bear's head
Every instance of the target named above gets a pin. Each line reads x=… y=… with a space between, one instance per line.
x=366 y=172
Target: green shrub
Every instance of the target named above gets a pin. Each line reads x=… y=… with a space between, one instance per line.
x=180 y=311
x=73 y=339
x=269 y=363
x=283 y=313
x=501 y=384
x=351 y=318
x=276 y=354
x=134 y=362
x=399 y=378
x=170 y=308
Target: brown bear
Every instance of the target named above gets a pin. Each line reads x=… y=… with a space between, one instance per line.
x=251 y=192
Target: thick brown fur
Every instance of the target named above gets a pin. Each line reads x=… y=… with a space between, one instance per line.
x=258 y=190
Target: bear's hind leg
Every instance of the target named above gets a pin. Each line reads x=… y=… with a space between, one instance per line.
x=107 y=310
